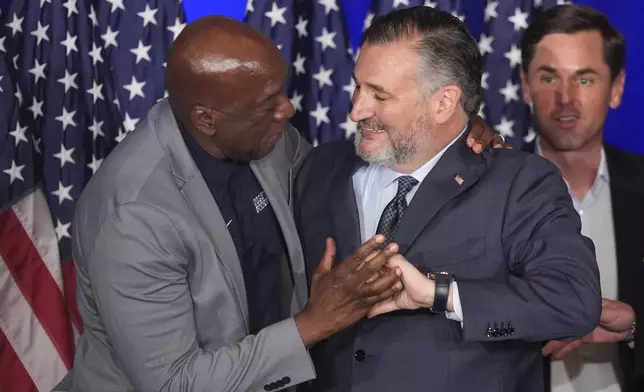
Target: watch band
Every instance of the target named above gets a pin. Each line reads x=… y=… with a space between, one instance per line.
x=441 y=291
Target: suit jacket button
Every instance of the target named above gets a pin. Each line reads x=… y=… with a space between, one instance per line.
x=360 y=355
x=279 y=383
x=286 y=380
x=268 y=387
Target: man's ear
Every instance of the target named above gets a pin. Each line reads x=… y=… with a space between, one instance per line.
x=447 y=101
x=617 y=89
x=525 y=88
x=204 y=119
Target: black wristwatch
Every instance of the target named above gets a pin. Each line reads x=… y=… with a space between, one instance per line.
x=441 y=292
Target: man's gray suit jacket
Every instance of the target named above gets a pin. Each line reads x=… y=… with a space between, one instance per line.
x=504 y=224
x=160 y=285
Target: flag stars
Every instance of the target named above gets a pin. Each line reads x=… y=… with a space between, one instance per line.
x=109 y=38
x=38 y=71
x=141 y=52
x=40 y=33
x=298 y=64
x=15 y=25
x=94 y=164
x=429 y=3
x=484 y=78
x=95 y=54
x=71 y=7
x=96 y=129
x=485 y=44
x=14 y=172
x=63 y=193
x=398 y=3
x=350 y=88
x=367 y=21
x=320 y=114
x=36 y=108
x=514 y=55
x=519 y=19
x=249 y=6
x=505 y=128
x=530 y=136
x=67 y=118
x=69 y=43
x=95 y=91
x=135 y=88
x=276 y=14
x=65 y=155
x=129 y=123
x=36 y=141
x=296 y=101
x=490 y=10
x=1 y=77
x=62 y=230
x=301 y=27
x=176 y=28
x=92 y=16
x=482 y=110
x=329 y=5
x=148 y=16
x=2 y=48
x=510 y=91
x=324 y=77
x=460 y=17
x=19 y=134
x=326 y=39
x=116 y=4
x=18 y=94
x=68 y=81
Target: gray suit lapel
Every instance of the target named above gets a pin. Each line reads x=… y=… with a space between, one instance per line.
x=274 y=174
x=198 y=196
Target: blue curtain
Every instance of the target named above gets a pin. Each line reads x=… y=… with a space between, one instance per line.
x=622 y=127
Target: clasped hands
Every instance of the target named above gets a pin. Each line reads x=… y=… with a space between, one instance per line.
x=615 y=323
x=370 y=282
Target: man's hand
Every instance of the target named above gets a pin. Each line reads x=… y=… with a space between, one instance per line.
x=615 y=322
x=481 y=136
x=418 y=290
x=342 y=295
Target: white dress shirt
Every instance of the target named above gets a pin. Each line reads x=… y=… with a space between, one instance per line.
x=592 y=367
x=375 y=186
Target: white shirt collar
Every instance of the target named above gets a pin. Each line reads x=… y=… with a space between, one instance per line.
x=602 y=173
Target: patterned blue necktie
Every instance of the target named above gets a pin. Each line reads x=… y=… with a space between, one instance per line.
x=393 y=213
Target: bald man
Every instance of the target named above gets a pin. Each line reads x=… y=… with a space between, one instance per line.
x=190 y=271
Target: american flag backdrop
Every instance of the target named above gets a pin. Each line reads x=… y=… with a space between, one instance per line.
x=75 y=78
x=313 y=39
x=380 y=7
x=500 y=44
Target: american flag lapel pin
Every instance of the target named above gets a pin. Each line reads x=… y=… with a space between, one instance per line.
x=459 y=180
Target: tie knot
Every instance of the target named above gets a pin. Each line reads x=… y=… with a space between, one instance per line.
x=405 y=183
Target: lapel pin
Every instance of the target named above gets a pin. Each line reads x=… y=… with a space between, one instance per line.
x=459 y=180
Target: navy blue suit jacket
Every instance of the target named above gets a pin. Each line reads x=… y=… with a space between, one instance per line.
x=511 y=236
x=626 y=171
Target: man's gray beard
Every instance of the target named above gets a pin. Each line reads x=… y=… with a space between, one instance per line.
x=392 y=153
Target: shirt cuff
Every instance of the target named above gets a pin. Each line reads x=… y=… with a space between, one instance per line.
x=457 y=314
